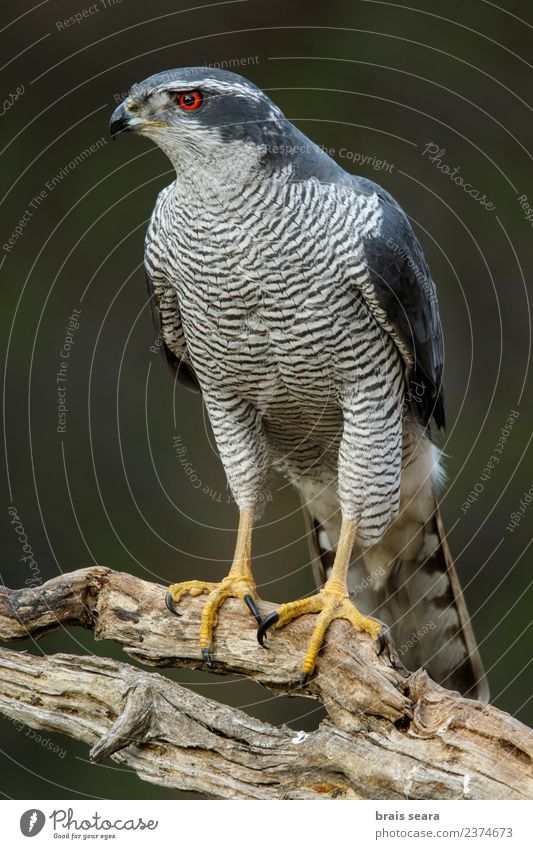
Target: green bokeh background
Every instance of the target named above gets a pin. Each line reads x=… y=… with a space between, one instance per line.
x=369 y=77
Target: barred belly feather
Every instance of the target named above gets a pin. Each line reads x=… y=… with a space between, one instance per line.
x=275 y=329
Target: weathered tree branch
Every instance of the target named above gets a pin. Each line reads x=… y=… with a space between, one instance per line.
x=388 y=734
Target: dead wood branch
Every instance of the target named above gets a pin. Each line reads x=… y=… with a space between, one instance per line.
x=388 y=735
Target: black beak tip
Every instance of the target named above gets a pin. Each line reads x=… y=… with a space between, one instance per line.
x=119 y=122
x=115 y=128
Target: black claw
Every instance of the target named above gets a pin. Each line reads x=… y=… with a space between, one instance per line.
x=266 y=623
x=207 y=658
x=304 y=678
x=251 y=605
x=169 y=601
x=384 y=641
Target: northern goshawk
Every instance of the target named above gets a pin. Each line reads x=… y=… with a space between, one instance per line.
x=297 y=298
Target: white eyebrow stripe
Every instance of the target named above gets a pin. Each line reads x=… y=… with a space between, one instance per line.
x=218 y=86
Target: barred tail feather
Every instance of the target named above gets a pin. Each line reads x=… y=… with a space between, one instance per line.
x=422 y=602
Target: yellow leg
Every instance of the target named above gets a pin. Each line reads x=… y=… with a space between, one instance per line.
x=238 y=583
x=331 y=602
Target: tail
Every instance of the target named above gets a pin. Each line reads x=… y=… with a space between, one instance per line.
x=422 y=602
x=410 y=582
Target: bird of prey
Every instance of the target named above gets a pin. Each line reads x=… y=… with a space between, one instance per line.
x=296 y=297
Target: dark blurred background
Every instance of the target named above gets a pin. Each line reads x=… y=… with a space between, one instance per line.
x=378 y=84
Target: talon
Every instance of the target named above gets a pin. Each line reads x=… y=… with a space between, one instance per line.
x=266 y=623
x=383 y=641
x=304 y=678
x=207 y=658
x=252 y=607
x=169 y=601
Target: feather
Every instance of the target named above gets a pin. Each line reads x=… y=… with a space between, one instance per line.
x=167 y=326
x=402 y=296
x=409 y=581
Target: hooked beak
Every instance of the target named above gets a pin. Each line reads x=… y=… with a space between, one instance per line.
x=124 y=120
x=120 y=121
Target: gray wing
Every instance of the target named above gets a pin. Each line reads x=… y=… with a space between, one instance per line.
x=164 y=307
x=403 y=289
x=403 y=296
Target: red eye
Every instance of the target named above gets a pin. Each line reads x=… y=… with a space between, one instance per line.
x=189 y=99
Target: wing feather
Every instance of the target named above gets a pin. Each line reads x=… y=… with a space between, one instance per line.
x=164 y=306
x=402 y=295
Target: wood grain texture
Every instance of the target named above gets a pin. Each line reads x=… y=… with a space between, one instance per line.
x=389 y=734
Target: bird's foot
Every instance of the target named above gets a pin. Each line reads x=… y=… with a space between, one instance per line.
x=330 y=603
x=230 y=587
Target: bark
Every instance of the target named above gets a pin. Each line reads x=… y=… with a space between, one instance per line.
x=389 y=734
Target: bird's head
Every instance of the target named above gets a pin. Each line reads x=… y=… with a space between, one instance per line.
x=201 y=117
